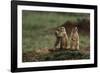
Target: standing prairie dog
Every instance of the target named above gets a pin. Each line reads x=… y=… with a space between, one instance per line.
x=61 y=38
x=74 y=39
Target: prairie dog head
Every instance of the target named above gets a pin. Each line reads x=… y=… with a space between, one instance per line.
x=59 y=32
x=62 y=29
x=75 y=30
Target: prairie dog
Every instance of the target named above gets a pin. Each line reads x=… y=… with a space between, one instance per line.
x=61 y=38
x=74 y=39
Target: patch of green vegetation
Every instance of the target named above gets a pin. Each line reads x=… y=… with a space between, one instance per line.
x=84 y=41
x=59 y=55
x=65 y=55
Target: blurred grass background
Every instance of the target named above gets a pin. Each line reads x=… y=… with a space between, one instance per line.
x=35 y=26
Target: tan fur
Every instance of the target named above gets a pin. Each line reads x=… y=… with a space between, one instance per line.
x=74 y=39
x=61 y=38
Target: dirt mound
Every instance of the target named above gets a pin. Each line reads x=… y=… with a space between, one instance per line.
x=46 y=54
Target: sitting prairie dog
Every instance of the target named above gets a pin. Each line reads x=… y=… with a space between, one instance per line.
x=61 y=38
x=74 y=39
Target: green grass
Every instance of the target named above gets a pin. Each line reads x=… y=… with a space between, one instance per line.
x=84 y=41
x=35 y=27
